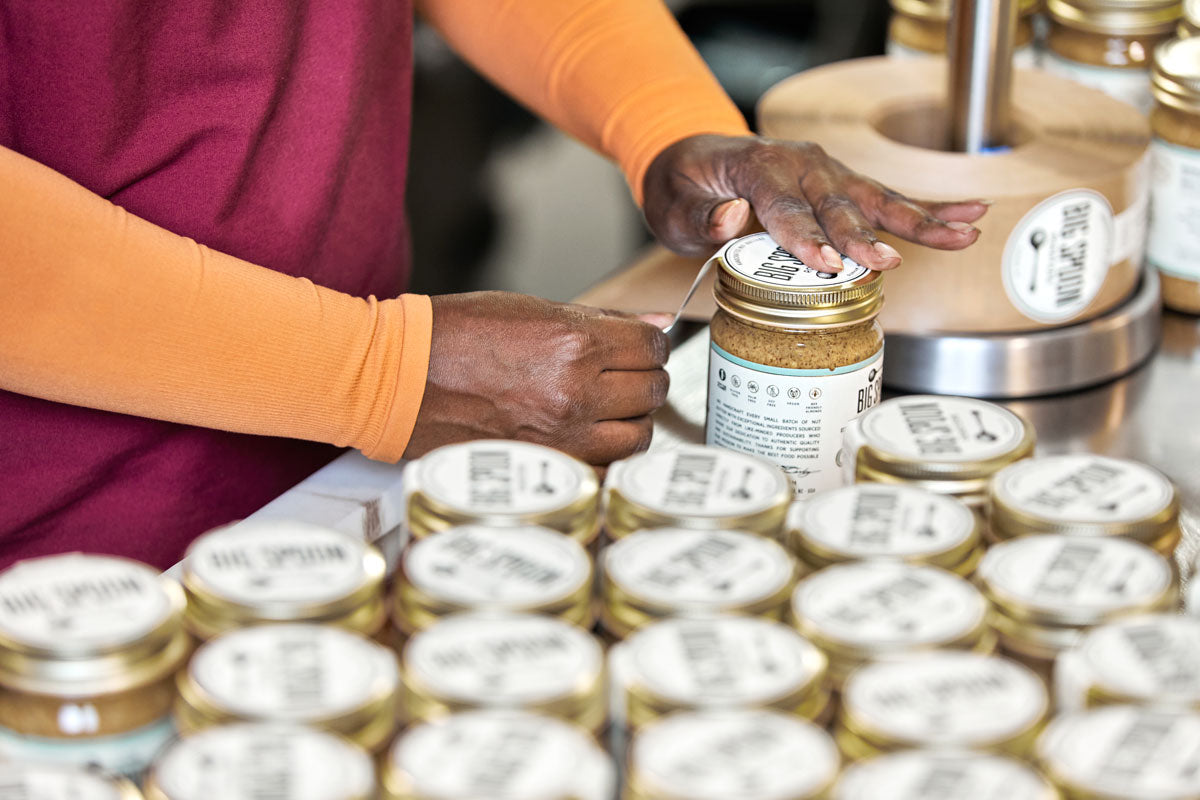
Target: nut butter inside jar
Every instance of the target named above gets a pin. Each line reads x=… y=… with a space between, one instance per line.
x=1173 y=240
x=796 y=354
x=718 y=755
x=501 y=484
x=696 y=487
x=942 y=775
x=475 y=568
x=282 y=571
x=26 y=781
x=249 y=761
x=89 y=646
x=920 y=28
x=649 y=575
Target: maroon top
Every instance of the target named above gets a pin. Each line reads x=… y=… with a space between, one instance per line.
x=272 y=130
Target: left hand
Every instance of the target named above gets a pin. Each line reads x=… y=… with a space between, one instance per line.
x=698 y=194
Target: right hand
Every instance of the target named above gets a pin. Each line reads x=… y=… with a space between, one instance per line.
x=511 y=366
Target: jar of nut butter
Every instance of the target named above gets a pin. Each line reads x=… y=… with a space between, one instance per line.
x=38 y=781
x=796 y=354
x=1189 y=23
x=1173 y=240
x=89 y=647
x=942 y=775
x=920 y=28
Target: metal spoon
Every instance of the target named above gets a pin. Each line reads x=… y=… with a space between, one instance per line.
x=688 y=297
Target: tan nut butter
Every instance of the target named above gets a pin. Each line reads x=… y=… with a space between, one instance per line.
x=26 y=781
x=1173 y=240
x=919 y=28
x=1109 y=44
x=796 y=354
x=89 y=646
x=942 y=775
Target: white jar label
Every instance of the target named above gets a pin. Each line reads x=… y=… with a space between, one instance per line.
x=688 y=570
x=1084 y=488
x=1173 y=245
x=1154 y=657
x=929 y=775
x=1058 y=256
x=942 y=429
x=124 y=754
x=700 y=482
x=1127 y=85
x=502 y=477
x=760 y=259
x=792 y=417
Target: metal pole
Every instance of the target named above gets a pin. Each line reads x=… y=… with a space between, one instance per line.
x=980 y=47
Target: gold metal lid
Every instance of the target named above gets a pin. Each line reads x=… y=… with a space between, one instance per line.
x=75 y=625
x=500 y=755
x=282 y=571
x=760 y=282
x=315 y=675
x=1175 y=77
x=495 y=660
x=939 y=10
x=252 y=761
x=670 y=571
x=501 y=483
x=1123 y=753
x=878 y=520
x=698 y=487
x=1189 y=23
x=942 y=775
x=746 y=754
x=473 y=568
x=30 y=781
x=1117 y=17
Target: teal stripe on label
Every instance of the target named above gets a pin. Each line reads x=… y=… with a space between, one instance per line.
x=797 y=373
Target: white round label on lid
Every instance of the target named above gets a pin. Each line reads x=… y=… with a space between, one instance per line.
x=501 y=477
x=45 y=782
x=760 y=259
x=749 y=755
x=1084 y=489
x=80 y=602
x=870 y=520
x=1155 y=657
x=256 y=762
x=888 y=606
x=946 y=698
x=497 y=567
x=941 y=429
x=698 y=570
x=300 y=673
x=502 y=660
x=702 y=482
x=942 y=775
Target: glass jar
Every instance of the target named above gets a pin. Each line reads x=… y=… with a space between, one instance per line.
x=1109 y=44
x=1085 y=495
x=249 y=761
x=796 y=354
x=519 y=661
x=649 y=575
x=315 y=675
x=941 y=699
x=696 y=487
x=870 y=611
x=500 y=483
x=942 y=775
x=1173 y=239
x=920 y=28
x=282 y=571
x=513 y=755
x=718 y=755
x=27 y=781
x=89 y=646
x=1189 y=23
x=475 y=568
x=879 y=520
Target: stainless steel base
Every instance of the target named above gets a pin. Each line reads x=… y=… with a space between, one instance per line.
x=1032 y=364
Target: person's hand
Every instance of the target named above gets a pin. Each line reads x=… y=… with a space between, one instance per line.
x=699 y=192
x=510 y=366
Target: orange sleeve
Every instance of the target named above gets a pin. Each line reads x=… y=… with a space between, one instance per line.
x=102 y=309
x=619 y=75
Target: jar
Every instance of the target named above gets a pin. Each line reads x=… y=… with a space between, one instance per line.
x=649 y=575
x=1123 y=753
x=1047 y=590
x=942 y=775
x=476 y=568
x=718 y=755
x=706 y=663
x=879 y=610
x=1085 y=495
x=921 y=28
x=1189 y=23
x=796 y=354
x=880 y=520
x=1149 y=659
x=520 y=661
x=27 y=781
x=1109 y=44
x=941 y=699
x=282 y=571
x=505 y=755
x=697 y=487
x=89 y=646
x=256 y=761
x=501 y=484
x=948 y=445
x=315 y=675
x=1173 y=239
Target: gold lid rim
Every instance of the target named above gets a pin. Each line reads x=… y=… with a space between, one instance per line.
x=871 y=458
x=367 y=619
x=1113 y=19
